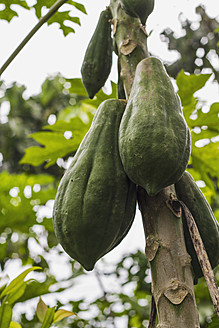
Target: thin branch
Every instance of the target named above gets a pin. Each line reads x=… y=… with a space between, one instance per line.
x=153 y=314
x=100 y=284
x=105 y=295
x=202 y=257
x=42 y=20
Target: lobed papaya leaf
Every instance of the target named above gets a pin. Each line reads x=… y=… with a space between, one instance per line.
x=62 y=18
x=101 y=96
x=77 y=87
x=78 y=6
x=205 y=161
x=75 y=124
x=55 y=146
x=8 y=13
x=209 y=119
x=189 y=84
x=204 y=130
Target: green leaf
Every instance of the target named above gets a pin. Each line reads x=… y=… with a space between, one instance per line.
x=17 y=282
x=188 y=110
x=55 y=146
x=41 y=310
x=189 y=84
x=209 y=119
x=5 y=315
x=79 y=6
x=14 y=325
x=48 y=319
x=101 y=96
x=13 y=296
x=8 y=13
x=39 y=5
x=74 y=125
x=214 y=322
x=77 y=87
x=17 y=213
x=61 y=314
x=206 y=161
x=61 y=18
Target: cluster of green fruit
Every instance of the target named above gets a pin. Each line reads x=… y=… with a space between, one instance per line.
x=145 y=142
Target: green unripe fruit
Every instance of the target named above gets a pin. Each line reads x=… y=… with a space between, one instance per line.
x=154 y=139
x=97 y=61
x=138 y=8
x=95 y=203
x=189 y=193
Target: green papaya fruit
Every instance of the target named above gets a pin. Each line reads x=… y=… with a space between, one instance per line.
x=97 y=61
x=138 y=8
x=154 y=139
x=189 y=193
x=95 y=204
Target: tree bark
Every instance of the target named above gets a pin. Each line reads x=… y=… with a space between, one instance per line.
x=172 y=281
x=130 y=43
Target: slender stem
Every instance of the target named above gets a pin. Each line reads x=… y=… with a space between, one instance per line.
x=42 y=20
x=105 y=295
x=202 y=257
x=153 y=314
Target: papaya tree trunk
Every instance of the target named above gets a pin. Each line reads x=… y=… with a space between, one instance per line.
x=172 y=281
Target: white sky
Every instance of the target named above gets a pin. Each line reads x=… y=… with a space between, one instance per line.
x=49 y=52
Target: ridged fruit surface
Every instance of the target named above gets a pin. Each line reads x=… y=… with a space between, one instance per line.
x=138 y=8
x=154 y=139
x=189 y=193
x=95 y=203
x=97 y=61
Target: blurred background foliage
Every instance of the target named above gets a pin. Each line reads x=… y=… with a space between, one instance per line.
x=38 y=137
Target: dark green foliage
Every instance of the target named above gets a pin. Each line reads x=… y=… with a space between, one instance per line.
x=95 y=203
x=97 y=61
x=188 y=192
x=196 y=47
x=154 y=140
x=138 y=8
x=61 y=17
